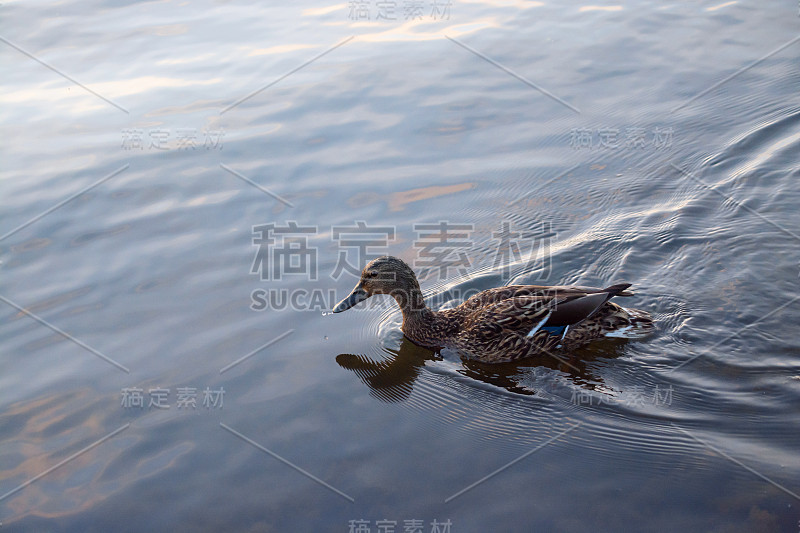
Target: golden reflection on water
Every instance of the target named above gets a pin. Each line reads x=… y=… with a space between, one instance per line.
x=80 y=101
x=52 y=432
x=600 y=8
x=398 y=200
x=46 y=431
x=720 y=6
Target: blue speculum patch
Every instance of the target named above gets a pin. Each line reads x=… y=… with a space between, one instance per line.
x=555 y=330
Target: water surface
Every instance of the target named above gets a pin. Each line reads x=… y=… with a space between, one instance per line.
x=648 y=142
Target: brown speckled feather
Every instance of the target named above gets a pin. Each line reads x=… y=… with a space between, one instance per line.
x=503 y=324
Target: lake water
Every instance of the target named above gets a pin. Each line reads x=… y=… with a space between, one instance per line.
x=148 y=148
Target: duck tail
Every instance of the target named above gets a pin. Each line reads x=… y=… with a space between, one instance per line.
x=618 y=290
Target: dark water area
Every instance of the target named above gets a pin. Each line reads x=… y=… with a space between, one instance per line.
x=178 y=185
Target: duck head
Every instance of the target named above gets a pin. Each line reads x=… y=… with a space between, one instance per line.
x=385 y=275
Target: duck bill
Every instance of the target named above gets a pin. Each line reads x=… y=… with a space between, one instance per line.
x=358 y=295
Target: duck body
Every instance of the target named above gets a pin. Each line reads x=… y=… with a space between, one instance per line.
x=504 y=323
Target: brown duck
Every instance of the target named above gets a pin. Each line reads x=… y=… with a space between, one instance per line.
x=504 y=323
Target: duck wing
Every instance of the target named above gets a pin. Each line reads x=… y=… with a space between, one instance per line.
x=522 y=315
x=533 y=307
x=582 y=306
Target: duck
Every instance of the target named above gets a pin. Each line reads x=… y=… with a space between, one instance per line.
x=502 y=324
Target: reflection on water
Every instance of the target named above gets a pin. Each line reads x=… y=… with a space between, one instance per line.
x=392 y=379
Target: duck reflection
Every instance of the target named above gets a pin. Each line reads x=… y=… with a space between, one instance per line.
x=392 y=379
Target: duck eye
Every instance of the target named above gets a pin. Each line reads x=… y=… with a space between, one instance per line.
x=372 y=274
